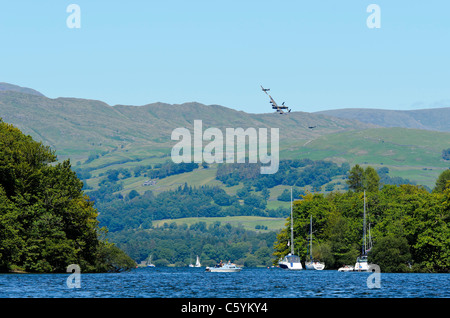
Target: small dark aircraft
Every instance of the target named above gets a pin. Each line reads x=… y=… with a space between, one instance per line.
x=312 y=127
x=278 y=108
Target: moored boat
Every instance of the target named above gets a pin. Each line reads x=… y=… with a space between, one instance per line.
x=197 y=263
x=313 y=264
x=291 y=261
x=346 y=268
x=224 y=268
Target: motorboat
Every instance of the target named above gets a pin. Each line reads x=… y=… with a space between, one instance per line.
x=313 y=264
x=291 y=261
x=224 y=268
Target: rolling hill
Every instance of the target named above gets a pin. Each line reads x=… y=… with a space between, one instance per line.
x=99 y=137
x=437 y=119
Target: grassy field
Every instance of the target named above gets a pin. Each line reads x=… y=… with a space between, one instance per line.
x=248 y=222
x=408 y=153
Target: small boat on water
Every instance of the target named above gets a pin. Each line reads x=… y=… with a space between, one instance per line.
x=291 y=261
x=149 y=262
x=346 y=268
x=313 y=264
x=197 y=263
x=224 y=268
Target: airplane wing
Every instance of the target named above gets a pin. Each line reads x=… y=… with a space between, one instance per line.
x=273 y=102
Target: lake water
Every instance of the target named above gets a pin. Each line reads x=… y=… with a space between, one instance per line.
x=249 y=283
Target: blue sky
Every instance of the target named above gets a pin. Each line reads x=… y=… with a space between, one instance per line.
x=314 y=55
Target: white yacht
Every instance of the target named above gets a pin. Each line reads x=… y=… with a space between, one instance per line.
x=313 y=264
x=346 y=268
x=197 y=263
x=224 y=268
x=291 y=261
x=361 y=264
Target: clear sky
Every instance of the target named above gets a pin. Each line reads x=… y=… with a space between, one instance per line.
x=314 y=55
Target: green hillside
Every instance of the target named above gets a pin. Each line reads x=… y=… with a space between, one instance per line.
x=431 y=119
x=98 y=137
x=409 y=153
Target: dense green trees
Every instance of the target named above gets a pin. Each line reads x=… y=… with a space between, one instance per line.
x=397 y=214
x=46 y=222
x=360 y=179
x=446 y=154
x=139 y=210
x=290 y=172
x=442 y=181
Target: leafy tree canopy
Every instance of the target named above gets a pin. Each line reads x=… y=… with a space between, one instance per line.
x=46 y=222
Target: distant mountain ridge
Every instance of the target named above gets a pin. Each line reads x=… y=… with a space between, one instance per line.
x=437 y=119
x=79 y=127
x=16 y=88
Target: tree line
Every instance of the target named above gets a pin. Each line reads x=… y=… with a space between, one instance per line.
x=185 y=201
x=178 y=245
x=299 y=172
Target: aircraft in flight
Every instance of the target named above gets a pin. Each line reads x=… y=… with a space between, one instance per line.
x=278 y=108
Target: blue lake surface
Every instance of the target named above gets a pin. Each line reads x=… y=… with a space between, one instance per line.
x=249 y=283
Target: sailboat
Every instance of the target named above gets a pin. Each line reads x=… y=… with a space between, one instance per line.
x=149 y=262
x=197 y=263
x=291 y=261
x=312 y=264
x=361 y=264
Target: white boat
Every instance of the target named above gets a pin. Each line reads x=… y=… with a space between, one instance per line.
x=197 y=263
x=224 y=268
x=291 y=261
x=346 y=268
x=313 y=264
x=361 y=265
x=149 y=262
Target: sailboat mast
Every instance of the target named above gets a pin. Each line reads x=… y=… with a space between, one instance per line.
x=310 y=237
x=292 y=228
x=364 y=226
